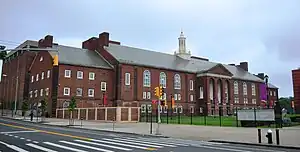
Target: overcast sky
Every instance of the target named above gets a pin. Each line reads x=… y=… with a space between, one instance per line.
x=265 y=33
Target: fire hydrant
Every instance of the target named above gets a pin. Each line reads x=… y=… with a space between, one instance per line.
x=269 y=136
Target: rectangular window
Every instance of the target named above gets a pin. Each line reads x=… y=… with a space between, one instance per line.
x=67 y=73
x=164 y=96
x=37 y=77
x=191 y=85
x=91 y=76
x=175 y=110
x=47 y=91
x=246 y=100
x=144 y=95
x=192 y=98
x=179 y=96
x=66 y=91
x=42 y=75
x=253 y=101
x=91 y=92
x=30 y=94
x=270 y=93
x=148 y=95
x=41 y=92
x=32 y=78
x=79 y=92
x=79 y=75
x=48 y=74
x=143 y=108
x=35 y=93
x=165 y=109
x=192 y=109
x=127 y=78
x=274 y=93
x=253 y=89
x=180 y=110
x=175 y=96
x=103 y=86
x=201 y=93
x=236 y=100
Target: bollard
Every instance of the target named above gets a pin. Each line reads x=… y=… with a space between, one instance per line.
x=277 y=137
x=31 y=116
x=114 y=123
x=81 y=121
x=269 y=136
x=259 y=135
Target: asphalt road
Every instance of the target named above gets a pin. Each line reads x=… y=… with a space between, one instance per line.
x=18 y=136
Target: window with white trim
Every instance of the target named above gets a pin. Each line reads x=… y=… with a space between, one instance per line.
x=163 y=79
x=236 y=100
x=37 y=77
x=175 y=109
x=66 y=91
x=35 y=93
x=48 y=74
x=177 y=81
x=143 y=108
x=32 y=78
x=91 y=76
x=180 y=109
x=253 y=89
x=79 y=75
x=78 y=91
x=179 y=96
x=148 y=95
x=201 y=96
x=30 y=94
x=192 y=109
x=144 y=95
x=41 y=92
x=175 y=96
x=147 y=78
x=191 y=97
x=103 y=86
x=149 y=106
x=164 y=97
x=91 y=92
x=41 y=58
x=270 y=93
x=127 y=78
x=274 y=93
x=253 y=101
x=47 y=91
x=165 y=109
x=245 y=100
x=67 y=73
x=245 y=90
x=42 y=77
x=191 y=84
x=236 y=87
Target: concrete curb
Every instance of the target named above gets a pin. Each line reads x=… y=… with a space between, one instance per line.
x=87 y=129
x=255 y=144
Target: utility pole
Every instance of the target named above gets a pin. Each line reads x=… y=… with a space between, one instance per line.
x=16 y=91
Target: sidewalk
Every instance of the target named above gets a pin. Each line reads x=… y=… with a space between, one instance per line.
x=289 y=136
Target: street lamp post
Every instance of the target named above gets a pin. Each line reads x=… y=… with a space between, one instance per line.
x=266 y=80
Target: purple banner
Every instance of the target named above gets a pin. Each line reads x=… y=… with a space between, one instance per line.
x=263 y=91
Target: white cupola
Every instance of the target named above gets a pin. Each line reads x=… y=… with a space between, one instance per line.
x=182 y=52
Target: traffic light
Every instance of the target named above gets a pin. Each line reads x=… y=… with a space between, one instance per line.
x=156 y=91
x=160 y=91
x=55 y=60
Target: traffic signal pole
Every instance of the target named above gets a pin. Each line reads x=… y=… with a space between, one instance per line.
x=158 y=115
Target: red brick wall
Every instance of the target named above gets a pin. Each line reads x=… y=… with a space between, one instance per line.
x=101 y=75
x=296 y=89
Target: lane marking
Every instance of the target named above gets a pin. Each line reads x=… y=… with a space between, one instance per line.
x=126 y=142
x=41 y=148
x=22 y=138
x=10 y=135
x=126 y=145
x=165 y=142
x=15 y=132
x=225 y=149
x=47 y=132
x=35 y=142
x=64 y=147
x=247 y=148
x=84 y=146
x=28 y=140
x=14 y=147
x=98 y=144
x=146 y=142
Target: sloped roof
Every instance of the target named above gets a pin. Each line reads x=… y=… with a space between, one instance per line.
x=142 y=57
x=272 y=86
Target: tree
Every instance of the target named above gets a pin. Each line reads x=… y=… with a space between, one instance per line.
x=3 y=55
x=71 y=108
x=285 y=102
x=44 y=105
x=24 y=108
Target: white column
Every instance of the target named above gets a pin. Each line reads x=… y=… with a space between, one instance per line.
x=129 y=113
x=86 y=113
x=118 y=114
x=63 y=113
x=78 y=114
x=105 y=117
x=96 y=109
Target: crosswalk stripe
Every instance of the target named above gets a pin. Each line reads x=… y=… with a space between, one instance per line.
x=98 y=144
x=120 y=144
x=161 y=141
x=160 y=144
x=40 y=148
x=16 y=148
x=90 y=147
x=64 y=147
x=149 y=145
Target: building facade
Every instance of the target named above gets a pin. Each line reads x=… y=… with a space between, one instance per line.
x=296 y=89
x=105 y=73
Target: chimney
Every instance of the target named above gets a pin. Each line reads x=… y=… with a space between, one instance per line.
x=90 y=44
x=115 y=42
x=46 y=42
x=244 y=65
x=261 y=76
x=232 y=64
x=103 y=39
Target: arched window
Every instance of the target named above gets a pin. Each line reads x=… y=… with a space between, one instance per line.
x=245 y=90
x=236 y=87
x=177 y=82
x=147 y=78
x=163 y=79
x=253 y=89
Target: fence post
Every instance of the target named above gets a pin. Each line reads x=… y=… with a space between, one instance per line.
x=191 y=117
x=255 y=121
x=146 y=113
x=168 y=116
x=151 y=123
x=237 y=122
x=220 y=116
x=178 y=116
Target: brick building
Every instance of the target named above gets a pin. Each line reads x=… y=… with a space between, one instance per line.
x=127 y=76
x=296 y=89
